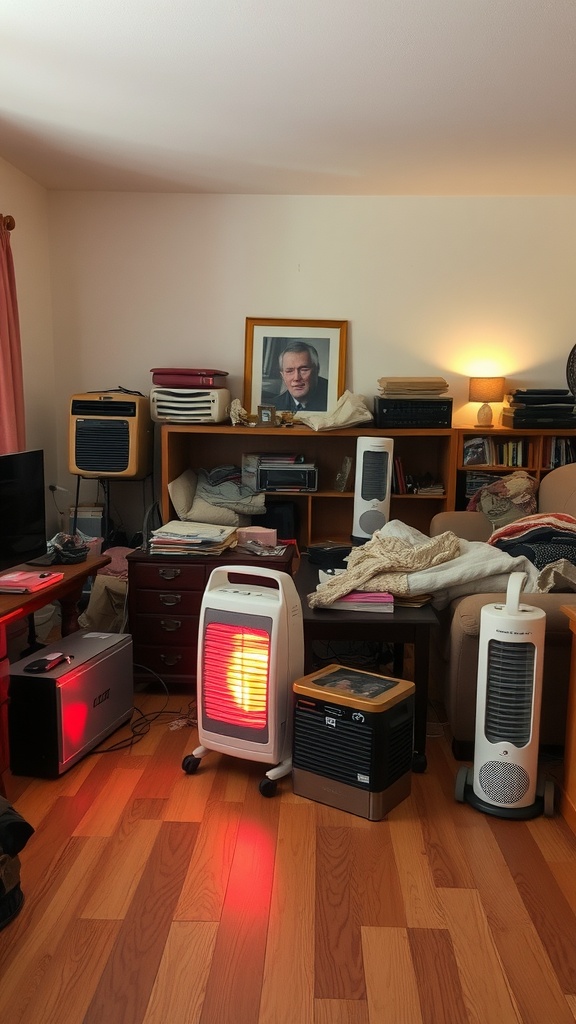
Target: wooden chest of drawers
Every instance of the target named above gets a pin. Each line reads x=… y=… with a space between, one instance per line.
x=164 y=598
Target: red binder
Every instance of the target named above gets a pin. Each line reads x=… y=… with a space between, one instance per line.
x=174 y=377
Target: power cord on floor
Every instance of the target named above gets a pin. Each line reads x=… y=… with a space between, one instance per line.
x=141 y=725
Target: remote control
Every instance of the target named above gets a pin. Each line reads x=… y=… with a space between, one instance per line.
x=45 y=664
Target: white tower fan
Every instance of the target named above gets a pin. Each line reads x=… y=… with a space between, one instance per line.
x=372 y=486
x=504 y=779
x=250 y=652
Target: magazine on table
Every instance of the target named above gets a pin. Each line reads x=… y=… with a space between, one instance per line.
x=27 y=582
x=364 y=601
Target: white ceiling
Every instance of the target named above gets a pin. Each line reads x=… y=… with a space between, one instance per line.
x=319 y=97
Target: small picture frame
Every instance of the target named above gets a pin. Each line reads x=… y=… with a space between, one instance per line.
x=266 y=415
x=294 y=363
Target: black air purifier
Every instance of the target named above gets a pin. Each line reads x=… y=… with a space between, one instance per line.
x=353 y=740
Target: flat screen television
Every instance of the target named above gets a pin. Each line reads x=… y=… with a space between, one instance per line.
x=22 y=508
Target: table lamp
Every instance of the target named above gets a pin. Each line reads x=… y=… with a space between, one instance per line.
x=485 y=390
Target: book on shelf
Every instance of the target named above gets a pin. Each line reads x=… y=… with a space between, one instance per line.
x=23 y=582
x=410 y=386
x=542 y=416
x=476 y=451
x=538 y=391
x=558 y=451
x=411 y=483
x=364 y=601
x=516 y=401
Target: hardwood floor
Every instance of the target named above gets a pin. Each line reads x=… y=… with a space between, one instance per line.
x=153 y=897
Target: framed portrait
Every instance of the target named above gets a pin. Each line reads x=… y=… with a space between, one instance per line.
x=294 y=364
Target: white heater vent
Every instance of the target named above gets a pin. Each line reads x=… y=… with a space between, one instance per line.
x=509 y=692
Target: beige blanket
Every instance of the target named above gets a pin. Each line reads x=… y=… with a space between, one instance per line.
x=407 y=563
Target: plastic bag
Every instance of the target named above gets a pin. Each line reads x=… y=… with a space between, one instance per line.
x=348 y=412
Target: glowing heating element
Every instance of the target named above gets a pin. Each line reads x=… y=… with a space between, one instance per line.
x=236 y=674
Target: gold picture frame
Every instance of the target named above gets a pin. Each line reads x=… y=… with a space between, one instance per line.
x=265 y=342
x=266 y=416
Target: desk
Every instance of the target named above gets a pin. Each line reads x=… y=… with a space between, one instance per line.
x=568 y=795
x=402 y=626
x=68 y=592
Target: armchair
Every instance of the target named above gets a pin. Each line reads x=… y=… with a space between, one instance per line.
x=458 y=658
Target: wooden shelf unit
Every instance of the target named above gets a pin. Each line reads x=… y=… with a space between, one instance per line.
x=536 y=453
x=325 y=514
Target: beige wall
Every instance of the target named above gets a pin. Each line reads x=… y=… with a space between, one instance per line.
x=433 y=286
x=430 y=286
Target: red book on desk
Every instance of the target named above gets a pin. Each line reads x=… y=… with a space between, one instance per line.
x=23 y=582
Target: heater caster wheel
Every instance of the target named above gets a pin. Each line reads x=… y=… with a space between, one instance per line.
x=463 y=777
x=268 y=787
x=419 y=763
x=190 y=764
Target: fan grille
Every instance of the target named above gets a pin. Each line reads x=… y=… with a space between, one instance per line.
x=503 y=783
x=374 y=476
x=509 y=692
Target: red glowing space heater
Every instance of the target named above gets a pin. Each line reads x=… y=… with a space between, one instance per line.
x=250 y=651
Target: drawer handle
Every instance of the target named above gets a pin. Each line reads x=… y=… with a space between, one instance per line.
x=171 y=625
x=171 y=659
x=169 y=574
x=170 y=599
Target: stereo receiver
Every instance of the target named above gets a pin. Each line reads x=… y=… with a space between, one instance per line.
x=419 y=413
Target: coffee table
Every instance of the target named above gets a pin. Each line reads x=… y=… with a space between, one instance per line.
x=402 y=626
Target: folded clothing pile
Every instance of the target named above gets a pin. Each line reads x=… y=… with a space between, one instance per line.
x=543 y=538
x=216 y=497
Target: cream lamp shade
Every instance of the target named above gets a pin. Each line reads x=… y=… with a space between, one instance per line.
x=485 y=390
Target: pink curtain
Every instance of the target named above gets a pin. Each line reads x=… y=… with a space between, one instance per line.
x=12 y=428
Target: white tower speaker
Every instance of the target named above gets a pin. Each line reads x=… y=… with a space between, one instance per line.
x=374 y=460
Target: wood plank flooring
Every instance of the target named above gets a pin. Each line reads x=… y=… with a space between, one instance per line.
x=154 y=897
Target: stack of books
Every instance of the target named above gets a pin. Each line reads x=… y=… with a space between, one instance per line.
x=412 y=387
x=539 y=407
x=186 y=538
x=411 y=483
x=365 y=601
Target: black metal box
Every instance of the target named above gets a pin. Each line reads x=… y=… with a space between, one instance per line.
x=412 y=413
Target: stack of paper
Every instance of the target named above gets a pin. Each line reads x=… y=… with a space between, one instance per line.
x=412 y=387
x=187 y=538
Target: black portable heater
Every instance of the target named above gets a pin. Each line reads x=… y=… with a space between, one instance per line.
x=353 y=740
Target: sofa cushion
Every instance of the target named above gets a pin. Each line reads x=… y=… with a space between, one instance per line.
x=466 y=610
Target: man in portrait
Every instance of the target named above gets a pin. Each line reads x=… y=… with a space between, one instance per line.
x=302 y=385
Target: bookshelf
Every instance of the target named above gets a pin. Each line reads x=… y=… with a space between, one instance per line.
x=482 y=455
x=325 y=514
